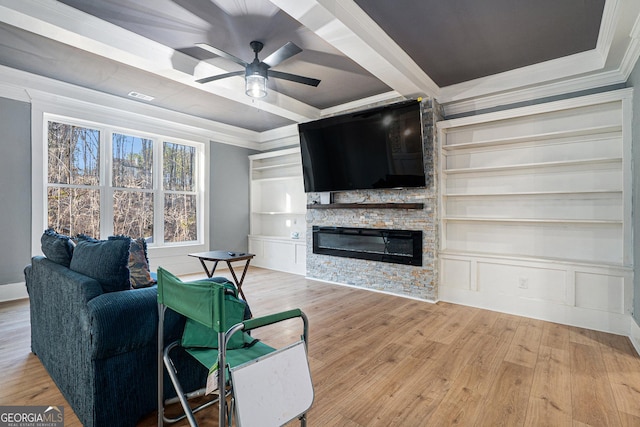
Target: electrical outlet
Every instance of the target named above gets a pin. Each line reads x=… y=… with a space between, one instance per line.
x=523 y=283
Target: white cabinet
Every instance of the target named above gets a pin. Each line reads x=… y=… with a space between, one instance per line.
x=278 y=209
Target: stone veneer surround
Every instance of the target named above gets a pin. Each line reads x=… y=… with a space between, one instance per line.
x=417 y=282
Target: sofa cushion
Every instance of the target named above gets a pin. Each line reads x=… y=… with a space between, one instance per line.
x=106 y=261
x=139 y=274
x=57 y=247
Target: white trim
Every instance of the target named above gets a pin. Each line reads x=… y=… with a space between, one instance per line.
x=78 y=99
x=564 y=104
x=617 y=48
x=634 y=335
x=364 y=102
x=573 y=316
x=13 y=291
x=347 y=28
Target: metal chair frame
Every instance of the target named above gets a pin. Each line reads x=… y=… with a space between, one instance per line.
x=225 y=387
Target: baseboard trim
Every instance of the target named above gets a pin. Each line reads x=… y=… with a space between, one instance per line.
x=13 y=291
x=614 y=323
x=634 y=335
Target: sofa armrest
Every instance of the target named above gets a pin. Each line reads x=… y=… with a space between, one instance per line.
x=127 y=320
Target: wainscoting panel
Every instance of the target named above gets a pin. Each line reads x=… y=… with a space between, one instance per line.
x=574 y=294
x=600 y=292
x=539 y=283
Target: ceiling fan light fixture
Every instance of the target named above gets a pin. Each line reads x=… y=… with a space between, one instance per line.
x=256 y=86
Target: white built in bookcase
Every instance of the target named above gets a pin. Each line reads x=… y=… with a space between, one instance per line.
x=278 y=209
x=535 y=211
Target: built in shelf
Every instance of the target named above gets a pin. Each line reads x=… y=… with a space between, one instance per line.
x=367 y=206
x=597 y=131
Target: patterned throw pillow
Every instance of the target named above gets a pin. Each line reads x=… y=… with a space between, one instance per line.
x=57 y=247
x=139 y=274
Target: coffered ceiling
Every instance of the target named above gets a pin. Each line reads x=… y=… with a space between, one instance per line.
x=468 y=54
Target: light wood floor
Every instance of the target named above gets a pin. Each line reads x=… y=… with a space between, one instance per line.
x=379 y=360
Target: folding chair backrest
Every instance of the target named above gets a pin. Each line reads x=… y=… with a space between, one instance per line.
x=201 y=300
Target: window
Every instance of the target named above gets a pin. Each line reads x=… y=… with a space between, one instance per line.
x=73 y=168
x=180 y=197
x=102 y=181
x=132 y=177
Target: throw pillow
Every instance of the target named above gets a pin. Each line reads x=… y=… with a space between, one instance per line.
x=57 y=247
x=139 y=274
x=106 y=261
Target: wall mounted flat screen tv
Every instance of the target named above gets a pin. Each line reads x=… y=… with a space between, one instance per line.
x=377 y=148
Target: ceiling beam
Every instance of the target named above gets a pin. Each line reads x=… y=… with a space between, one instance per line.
x=350 y=30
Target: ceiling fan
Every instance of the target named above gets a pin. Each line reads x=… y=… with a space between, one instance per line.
x=257 y=72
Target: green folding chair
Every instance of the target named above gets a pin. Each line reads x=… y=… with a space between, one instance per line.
x=265 y=386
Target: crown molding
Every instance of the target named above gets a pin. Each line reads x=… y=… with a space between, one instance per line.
x=610 y=63
x=54 y=94
x=563 y=104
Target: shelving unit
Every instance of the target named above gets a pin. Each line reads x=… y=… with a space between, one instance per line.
x=538 y=181
x=536 y=207
x=278 y=209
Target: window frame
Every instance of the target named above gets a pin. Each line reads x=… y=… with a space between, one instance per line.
x=109 y=121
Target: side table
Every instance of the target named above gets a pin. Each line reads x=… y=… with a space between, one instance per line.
x=228 y=257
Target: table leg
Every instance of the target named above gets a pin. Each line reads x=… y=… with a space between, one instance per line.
x=206 y=270
x=235 y=279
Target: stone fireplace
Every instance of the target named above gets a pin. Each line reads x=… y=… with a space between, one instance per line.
x=410 y=209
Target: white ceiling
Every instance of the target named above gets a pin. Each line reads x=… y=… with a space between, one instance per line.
x=468 y=54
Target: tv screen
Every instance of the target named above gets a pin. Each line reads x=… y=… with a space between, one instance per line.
x=376 y=148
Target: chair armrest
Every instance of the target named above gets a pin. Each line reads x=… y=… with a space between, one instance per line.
x=271 y=318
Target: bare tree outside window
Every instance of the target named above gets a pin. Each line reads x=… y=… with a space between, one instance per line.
x=133 y=176
x=180 y=219
x=73 y=163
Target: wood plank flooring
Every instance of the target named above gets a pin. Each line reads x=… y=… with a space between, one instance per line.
x=380 y=360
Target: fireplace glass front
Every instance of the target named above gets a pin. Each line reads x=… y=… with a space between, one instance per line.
x=384 y=245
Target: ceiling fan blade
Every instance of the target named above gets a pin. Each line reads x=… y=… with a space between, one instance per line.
x=282 y=54
x=220 y=76
x=294 y=78
x=221 y=53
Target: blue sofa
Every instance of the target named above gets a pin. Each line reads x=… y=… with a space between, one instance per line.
x=100 y=348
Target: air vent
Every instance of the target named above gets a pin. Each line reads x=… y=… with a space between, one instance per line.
x=139 y=95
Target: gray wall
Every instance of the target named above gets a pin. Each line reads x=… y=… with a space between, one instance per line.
x=15 y=189
x=634 y=81
x=229 y=197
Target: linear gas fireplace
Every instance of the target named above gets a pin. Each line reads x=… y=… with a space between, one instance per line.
x=394 y=246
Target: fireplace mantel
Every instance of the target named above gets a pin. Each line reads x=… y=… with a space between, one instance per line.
x=366 y=206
